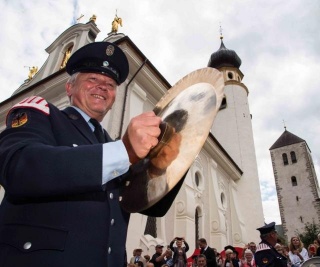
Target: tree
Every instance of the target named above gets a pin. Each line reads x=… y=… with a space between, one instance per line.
x=311 y=230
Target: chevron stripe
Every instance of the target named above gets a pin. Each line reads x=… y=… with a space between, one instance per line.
x=262 y=246
x=34 y=102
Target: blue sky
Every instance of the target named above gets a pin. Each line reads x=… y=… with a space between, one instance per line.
x=277 y=41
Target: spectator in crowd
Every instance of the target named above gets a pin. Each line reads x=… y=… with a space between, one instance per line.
x=312 y=250
x=283 y=251
x=227 y=261
x=218 y=257
x=179 y=251
x=248 y=260
x=138 y=257
x=147 y=257
x=150 y=264
x=317 y=241
x=158 y=258
x=208 y=252
x=169 y=259
x=266 y=255
x=297 y=254
x=253 y=247
x=202 y=261
x=234 y=256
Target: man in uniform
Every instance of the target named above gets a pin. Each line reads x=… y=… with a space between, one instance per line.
x=266 y=254
x=63 y=174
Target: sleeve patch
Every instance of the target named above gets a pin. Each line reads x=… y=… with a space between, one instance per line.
x=34 y=102
x=19 y=120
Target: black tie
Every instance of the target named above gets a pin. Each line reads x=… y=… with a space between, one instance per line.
x=98 y=132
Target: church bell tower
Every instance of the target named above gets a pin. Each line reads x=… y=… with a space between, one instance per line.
x=233 y=130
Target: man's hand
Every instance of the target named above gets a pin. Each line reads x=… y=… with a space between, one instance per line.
x=166 y=155
x=141 y=135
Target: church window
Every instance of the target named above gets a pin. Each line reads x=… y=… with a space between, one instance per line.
x=230 y=75
x=294 y=181
x=223 y=200
x=293 y=157
x=151 y=227
x=197 y=179
x=196 y=222
x=285 y=159
x=223 y=103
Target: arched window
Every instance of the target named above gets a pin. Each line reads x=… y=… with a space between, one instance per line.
x=293 y=157
x=223 y=103
x=285 y=159
x=196 y=224
x=197 y=178
x=151 y=227
x=294 y=181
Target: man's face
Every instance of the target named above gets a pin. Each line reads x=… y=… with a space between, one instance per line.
x=274 y=237
x=159 y=250
x=201 y=262
x=253 y=247
x=93 y=93
x=202 y=245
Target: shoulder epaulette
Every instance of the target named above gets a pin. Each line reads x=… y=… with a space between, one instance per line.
x=262 y=246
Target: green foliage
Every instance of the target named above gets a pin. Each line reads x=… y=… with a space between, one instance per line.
x=311 y=230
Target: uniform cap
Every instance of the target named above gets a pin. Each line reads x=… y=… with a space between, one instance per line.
x=159 y=246
x=100 y=57
x=267 y=228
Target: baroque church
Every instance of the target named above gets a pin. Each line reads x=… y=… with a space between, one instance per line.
x=296 y=183
x=213 y=202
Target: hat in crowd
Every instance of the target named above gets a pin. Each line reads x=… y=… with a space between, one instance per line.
x=267 y=228
x=229 y=251
x=230 y=247
x=159 y=246
x=138 y=249
x=100 y=57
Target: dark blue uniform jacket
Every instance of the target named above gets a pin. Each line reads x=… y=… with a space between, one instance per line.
x=55 y=211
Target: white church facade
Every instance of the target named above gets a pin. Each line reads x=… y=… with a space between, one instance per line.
x=213 y=202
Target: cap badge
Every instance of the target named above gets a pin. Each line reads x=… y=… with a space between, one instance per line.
x=105 y=63
x=110 y=50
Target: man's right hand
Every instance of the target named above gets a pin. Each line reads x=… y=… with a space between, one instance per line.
x=141 y=135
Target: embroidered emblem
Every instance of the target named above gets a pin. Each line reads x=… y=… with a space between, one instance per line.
x=110 y=50
x=19 y=120
x=265 y=260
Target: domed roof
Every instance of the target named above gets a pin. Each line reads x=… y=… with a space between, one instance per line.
x=224 y=58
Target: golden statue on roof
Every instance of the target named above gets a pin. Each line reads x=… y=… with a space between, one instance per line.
x=93 y=18
x=32 y=71
x=66 y=57
x=115 y=23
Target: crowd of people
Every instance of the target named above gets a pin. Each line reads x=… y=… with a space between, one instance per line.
x=270 y=252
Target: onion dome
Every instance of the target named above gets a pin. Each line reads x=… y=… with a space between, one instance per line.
x=224 y=58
